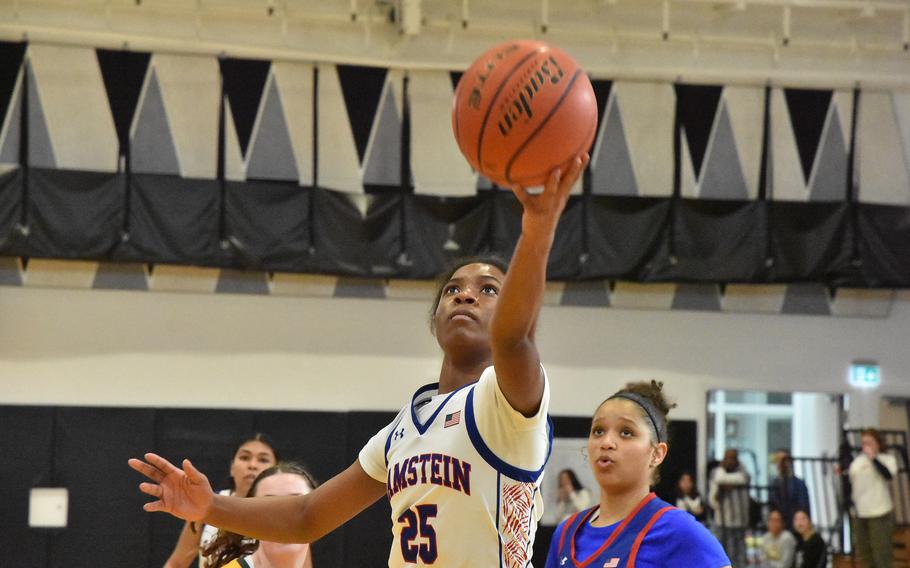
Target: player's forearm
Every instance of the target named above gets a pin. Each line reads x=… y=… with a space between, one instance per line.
x=525 y=284
x=299 y=518
x=275 y=519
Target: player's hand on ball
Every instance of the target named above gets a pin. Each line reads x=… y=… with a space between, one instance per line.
x=184 y=493
x=549 y=203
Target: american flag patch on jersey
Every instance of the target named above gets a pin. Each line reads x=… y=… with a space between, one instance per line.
x=452 y=419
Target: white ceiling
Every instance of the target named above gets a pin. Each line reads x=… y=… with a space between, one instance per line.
x=798 y=42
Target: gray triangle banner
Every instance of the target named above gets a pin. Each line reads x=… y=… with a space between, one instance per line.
x=384 y=155
x=722 y=174
x=586 y=293
x=829 y=182
x=153 y=149
x=272 y=154
x=10 y=275
x=120 y=276
x=9 y=149
x=699 y=297
x=232 y=281
x=40 y=149
x=808 y=299
x=614 y=174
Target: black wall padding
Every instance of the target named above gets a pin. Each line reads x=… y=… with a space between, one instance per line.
x=268 y=222
x=74 y=214
x=718 y=237
x=206 y=438
x=269 y=227
x=86 y=450
x=10 y=206
x=883 y=243
x=26 y=436
x=812 y=242
x=627 y=237
x=106 y=520
x=174 y=222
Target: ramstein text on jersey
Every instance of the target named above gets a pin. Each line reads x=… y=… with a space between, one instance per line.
x=433 y=468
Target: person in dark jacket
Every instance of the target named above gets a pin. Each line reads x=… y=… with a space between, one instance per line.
x=788 y=493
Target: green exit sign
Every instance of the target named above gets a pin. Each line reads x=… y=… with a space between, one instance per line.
x=864 y=374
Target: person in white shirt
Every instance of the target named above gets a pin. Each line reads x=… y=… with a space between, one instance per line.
x=778 y=546
x=728 y=495
x=572 y=497
x=873 y=522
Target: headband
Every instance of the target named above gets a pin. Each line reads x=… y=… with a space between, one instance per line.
x=654 y=415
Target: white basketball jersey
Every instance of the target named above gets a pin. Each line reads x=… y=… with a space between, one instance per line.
x=454 y=501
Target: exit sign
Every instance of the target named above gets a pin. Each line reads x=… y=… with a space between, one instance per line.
x=865 y=374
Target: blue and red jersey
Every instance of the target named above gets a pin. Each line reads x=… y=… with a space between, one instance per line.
x=654 y=534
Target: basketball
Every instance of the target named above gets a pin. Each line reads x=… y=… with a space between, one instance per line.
x=520 y=110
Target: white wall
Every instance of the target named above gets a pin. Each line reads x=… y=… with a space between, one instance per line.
x=92 y=347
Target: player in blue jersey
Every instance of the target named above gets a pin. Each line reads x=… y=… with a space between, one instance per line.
x=462 y=463
x=631 y=527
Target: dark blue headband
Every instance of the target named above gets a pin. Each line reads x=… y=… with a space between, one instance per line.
x=657 y=418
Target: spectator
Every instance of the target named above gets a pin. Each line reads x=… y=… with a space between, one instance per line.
x=873 y=523
x=234 y=551
x=810 y=552
x=788 y=493
x=252 y=455
x=572 y=497
x=728 y=495
x=778 y=548
x=687 y=497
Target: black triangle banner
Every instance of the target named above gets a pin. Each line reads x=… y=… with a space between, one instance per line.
x=455 y=76
x=602 y=90
x=696 y=107
x=124 y=74
x=11 y=55
x=244 y=82
x=808 y=111
x=362 y=88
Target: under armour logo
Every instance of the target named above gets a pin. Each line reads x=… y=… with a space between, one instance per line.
x=398 y=434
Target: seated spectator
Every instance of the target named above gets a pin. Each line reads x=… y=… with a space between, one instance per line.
x=778 y=548
x=810 y=552
x=788 y=493
x=688 y=498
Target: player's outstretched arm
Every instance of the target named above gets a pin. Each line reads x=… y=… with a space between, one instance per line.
x=187 y=494
x=512 y=329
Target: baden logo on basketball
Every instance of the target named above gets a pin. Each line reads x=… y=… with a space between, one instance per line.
x=515 y=107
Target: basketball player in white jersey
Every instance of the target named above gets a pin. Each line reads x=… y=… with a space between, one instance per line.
x=462 y=463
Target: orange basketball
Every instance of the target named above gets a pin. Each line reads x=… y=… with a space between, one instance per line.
x=523 y=108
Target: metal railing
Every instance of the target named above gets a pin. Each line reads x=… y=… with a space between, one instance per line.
x=742 y=510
